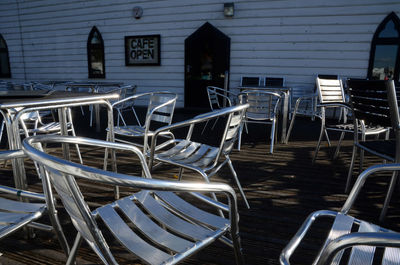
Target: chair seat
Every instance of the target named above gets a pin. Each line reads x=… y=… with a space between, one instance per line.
x=134 y=131
x=349 y=127
x=383 y=148
x=188 y=154
x=14 y=214
x=159 y=225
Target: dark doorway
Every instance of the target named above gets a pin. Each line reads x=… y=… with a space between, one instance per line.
x=207 y=54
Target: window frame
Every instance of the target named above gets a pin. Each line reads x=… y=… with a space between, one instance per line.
x=5 y=50
x=376 y=40
x=90 y=48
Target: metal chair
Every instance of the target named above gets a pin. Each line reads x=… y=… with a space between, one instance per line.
x=201 y=157
x=159 y=113
x=263 y=109
x=128 y=106
x=154 y=224
x=218 y=100
x=304 y=103
x=331 y=96
x=347 y=232
x=375 y=104
x=21 y=208
x=304 y=100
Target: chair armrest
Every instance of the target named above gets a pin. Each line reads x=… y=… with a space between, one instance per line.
x=12 y=154
x=301 y=233
x=377 y=239
x=334 y=105
x=22 y=193
x=191 y=122
x=361 y=181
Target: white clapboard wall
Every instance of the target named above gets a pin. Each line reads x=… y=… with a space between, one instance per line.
x=284 y=38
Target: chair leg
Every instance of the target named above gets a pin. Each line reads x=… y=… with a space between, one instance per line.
x=389 y=194
x=318 y=144
x=290 y=127
x=74 y=134
x=237 y=181
x=336 y=154
x=271 y=148
x=240 y=135
x=74 y=250
x=237 y=248
x=205 y=125
x=350 y=173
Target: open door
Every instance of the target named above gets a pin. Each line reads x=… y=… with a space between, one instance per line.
x=207 y=56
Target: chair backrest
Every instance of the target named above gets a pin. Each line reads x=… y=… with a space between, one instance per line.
x=330 y=90
x=274 y=82
x=369 y=100
x=217 y=98
x=161 y=107
x=62 y=175
x=251 y=81
x=263 y=105
x=232 y=127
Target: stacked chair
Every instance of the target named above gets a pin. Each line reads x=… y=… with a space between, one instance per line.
x=374 y=104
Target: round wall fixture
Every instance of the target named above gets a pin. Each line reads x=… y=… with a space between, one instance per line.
x=137 y=12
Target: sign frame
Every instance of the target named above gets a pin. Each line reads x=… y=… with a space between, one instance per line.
x=154 y=52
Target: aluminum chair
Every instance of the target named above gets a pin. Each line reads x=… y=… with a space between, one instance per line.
x=154 y=224
x=304 y=103
x=304 y=100
x=375 y=104
x=218 y=100
x=21 y=208
x=160 y=112
x=201 y=157
x=263 y=109
x=331 y=96
x=128 y=106
x=347 y=232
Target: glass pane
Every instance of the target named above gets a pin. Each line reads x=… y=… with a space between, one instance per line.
x=384 y=62
x=96 y=57
x=95 y=39
x=389 y=31
x=4 y=69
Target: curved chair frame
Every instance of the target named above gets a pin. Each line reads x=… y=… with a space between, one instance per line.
x=200 y=157
x=156 y=196
x=341 y=237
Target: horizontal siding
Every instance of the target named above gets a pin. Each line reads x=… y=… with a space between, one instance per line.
x=293 y=39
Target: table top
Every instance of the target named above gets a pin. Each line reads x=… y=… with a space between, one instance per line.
x=264 y=88
x=92 y=84
x=18 y=98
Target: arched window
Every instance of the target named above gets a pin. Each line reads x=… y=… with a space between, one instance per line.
x=384 y=60
x=95 y=53
x=4 y=59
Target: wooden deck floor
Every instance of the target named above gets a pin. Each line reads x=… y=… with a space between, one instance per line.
x=282 y=190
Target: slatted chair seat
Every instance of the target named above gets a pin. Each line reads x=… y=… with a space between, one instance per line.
x=15 y=214
x=159 y=224
x=347 y=232
x=200 y=156
x=182 y=235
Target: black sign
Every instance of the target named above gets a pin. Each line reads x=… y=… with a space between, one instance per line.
x=142 y=50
